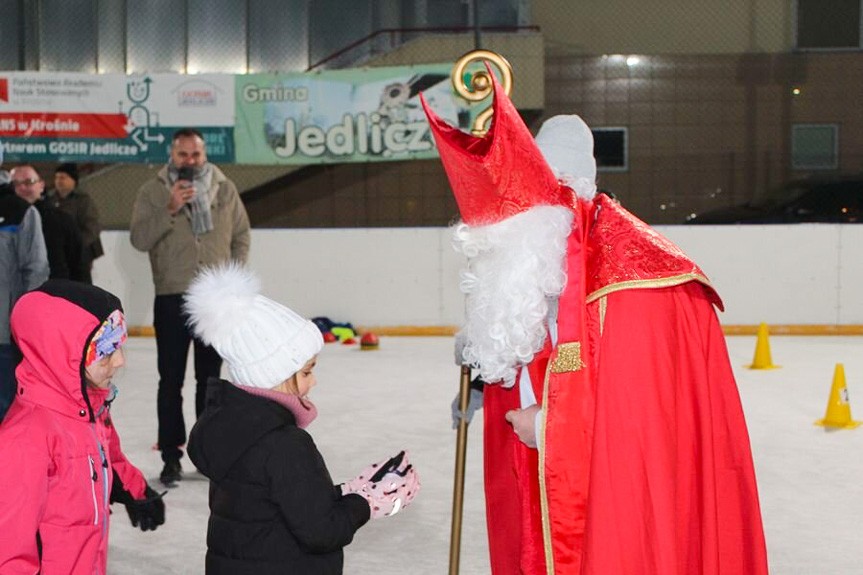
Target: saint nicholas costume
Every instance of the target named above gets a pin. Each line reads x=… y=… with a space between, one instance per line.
x=643 y=463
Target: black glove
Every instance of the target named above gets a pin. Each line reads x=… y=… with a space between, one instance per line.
x=147 y=513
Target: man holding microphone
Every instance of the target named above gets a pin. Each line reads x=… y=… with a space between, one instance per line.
x=189 y=217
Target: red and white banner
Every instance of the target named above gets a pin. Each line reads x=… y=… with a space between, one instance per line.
x=30 y=125
x=112 y=117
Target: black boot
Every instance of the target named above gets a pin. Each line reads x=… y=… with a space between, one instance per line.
x=171 y=473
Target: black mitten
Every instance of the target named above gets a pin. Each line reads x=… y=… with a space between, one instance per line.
x=148 y=513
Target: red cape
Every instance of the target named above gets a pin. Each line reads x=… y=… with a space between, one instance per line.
x=645 y=466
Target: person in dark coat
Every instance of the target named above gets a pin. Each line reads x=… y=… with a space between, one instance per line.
x=70 y=199
x=62 y=236
x=273 y=506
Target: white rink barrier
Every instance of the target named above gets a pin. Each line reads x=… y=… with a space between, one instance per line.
x=408 y=277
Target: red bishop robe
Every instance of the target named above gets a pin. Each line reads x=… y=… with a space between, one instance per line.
x=644 y=465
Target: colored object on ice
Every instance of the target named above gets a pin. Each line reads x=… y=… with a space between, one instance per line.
x=343 y=332
x=838 y=406
x=324 y=324
x=369 y=341
x=349 y=341
x=762 y=358
x=329 y=337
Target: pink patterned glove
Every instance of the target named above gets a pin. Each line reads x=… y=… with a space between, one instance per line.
x=388 y=486
x=395 y=491
x=356 y=484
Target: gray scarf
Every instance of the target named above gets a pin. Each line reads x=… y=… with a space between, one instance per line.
x=202 y=217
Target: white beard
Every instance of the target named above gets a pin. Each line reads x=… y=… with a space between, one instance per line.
x=513 y=268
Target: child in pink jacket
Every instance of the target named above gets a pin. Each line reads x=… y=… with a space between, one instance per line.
x=61 y=459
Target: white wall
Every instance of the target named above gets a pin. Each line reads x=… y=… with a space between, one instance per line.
x=780 y=274
x=796 y=274
x=383 y=277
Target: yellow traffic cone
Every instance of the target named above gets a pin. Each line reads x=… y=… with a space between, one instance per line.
x=838 y=406
x=762 y=350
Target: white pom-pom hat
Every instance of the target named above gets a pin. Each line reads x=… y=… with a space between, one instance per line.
x=263 y=342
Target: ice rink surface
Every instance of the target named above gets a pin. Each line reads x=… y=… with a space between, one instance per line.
x=371 y=404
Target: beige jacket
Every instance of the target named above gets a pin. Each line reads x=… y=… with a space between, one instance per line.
x=176 y=254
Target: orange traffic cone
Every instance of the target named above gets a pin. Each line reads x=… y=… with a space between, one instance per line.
x=838 y=407
x=762 y=350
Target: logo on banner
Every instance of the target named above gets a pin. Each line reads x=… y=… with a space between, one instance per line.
x=138 y=92
x=4 y=90
x=197 y=94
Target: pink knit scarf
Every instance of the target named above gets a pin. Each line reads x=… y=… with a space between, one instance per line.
x=304 y=411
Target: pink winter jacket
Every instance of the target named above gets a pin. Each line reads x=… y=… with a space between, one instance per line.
x=58 y=449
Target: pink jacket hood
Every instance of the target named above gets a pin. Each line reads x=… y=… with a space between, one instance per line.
x=53 y=326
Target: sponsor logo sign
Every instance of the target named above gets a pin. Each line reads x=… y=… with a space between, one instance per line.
x=112 y=118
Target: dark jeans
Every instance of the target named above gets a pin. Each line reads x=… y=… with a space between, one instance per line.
x=8 y=385
x=172 y=346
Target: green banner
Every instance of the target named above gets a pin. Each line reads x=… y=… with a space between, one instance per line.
x=355 y=115
x=220 y=148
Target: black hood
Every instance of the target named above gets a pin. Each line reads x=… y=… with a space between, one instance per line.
x=95 y=300
x=232 y=422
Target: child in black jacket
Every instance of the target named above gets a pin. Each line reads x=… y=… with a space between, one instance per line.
x=273 y=506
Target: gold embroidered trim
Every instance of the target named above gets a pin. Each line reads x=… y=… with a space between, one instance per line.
x=643 y=284
x=603 y=305
x=568 y=358
x=543 y=490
